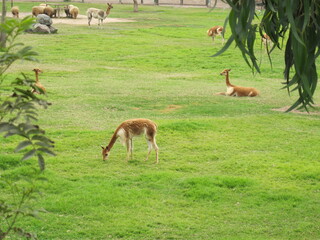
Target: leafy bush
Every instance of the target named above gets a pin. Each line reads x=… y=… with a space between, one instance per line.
x=18 y=114
x=18 y=101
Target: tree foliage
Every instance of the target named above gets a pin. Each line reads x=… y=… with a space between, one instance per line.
x=19 y=205
x=18 y=102
x=295 y=22
x=19 y=107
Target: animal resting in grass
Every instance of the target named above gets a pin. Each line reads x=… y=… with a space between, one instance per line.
x=129 y=129
x=37 y=83
x=215 y=31
x=98 y=13
x=237 y=91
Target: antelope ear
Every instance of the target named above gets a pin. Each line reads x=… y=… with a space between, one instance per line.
x=102 y=147
x=229 y=70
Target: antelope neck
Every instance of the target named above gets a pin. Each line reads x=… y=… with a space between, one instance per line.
x=227 y=79
x=37 y=76
x=113 y=140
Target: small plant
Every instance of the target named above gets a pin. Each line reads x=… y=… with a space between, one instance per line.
x=18 y=114
x=18 y=101
x=18 y=206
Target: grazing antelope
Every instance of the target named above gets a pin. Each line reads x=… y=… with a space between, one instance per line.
x=129 y=129
x=38 y=84
x=236 y=91
x=215 y=31
x=98 y=13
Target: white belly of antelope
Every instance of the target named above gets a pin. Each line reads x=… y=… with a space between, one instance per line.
x=229 y=90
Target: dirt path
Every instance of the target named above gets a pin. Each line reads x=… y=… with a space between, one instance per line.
x=81 y=20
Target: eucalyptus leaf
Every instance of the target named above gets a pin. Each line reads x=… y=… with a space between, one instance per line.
x=301 y=19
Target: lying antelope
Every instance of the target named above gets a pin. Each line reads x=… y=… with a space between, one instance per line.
x=98 y=13
x=236 y=91
x=215 y=31
x=129 y=129
x=37 y=83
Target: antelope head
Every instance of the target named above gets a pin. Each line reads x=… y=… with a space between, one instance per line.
x=225 y=72
x=37 y=70
x=105 y=152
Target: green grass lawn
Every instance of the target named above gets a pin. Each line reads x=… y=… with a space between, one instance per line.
x=230 y=168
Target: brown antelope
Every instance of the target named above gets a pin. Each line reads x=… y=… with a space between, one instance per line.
x=98 y=13
x=129 y=129
x=215 y=31
x=38 y=84
x=265 y=39
x=236 y=91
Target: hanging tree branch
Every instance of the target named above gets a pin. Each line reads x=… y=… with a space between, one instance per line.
x=295 y=21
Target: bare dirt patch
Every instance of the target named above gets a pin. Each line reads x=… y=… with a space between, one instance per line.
x=284 y=109
x=81 y=20
x=171 y=108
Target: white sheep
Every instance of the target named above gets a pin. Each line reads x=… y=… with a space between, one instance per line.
x=49 y=11
x=36 y=10
x=74 y=11
x=98 y=13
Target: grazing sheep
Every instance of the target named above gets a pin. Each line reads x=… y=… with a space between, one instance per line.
x=74 y=11
x=49 y=11
x=98 y=13
x=36 y=10
x=67 y=11
x=15 y=11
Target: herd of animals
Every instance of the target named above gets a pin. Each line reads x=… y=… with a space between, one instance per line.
x=135 y=127
x=71 y=11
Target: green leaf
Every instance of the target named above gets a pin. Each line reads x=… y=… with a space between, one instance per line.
x=225 y=47
x=44 y=144
x=41 y=162
x=46 y=150
x=5 y=127
x=28 y=155
x=289 y=5
x=41 y=138
x=307 y=14
x=23 y=145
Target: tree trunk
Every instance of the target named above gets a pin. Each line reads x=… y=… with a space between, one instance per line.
x=3 y=16
x=135 y=5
